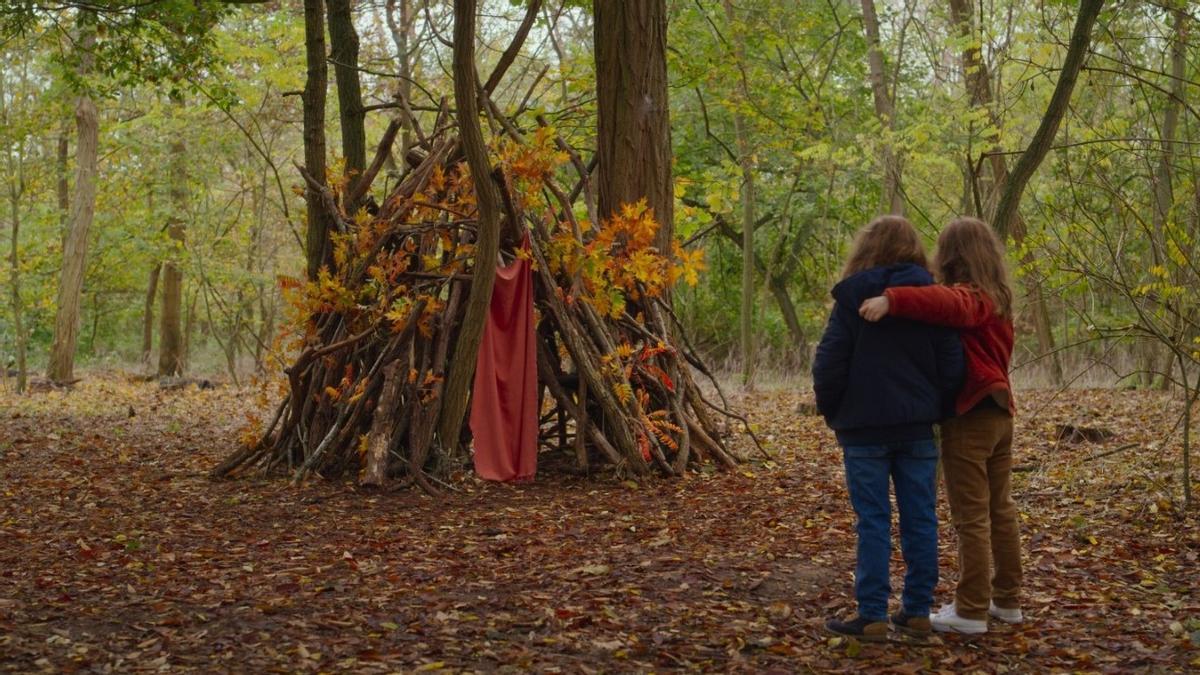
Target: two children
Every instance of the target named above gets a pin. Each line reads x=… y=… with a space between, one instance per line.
x=976 y=299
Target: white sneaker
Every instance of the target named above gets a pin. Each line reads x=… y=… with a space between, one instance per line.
x=1006 y=615
x=947 y=620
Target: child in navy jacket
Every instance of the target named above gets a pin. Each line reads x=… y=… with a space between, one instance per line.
x=881 y=388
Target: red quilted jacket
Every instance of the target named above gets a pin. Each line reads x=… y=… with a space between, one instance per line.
x=987 y=337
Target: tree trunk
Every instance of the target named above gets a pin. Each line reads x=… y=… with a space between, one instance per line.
x=148 y=315
x=746 y=159
x=343 y=47
x=70 y=287
x=791 y=319
x=15 y=191
x=401 y=28
x=893 y=199
x=632 y=112
x=63 y=185
x=487 y=244
x=318 y=250
x=170 y=329
x=1162 y=359
x=977 y=78
x=1043 y=138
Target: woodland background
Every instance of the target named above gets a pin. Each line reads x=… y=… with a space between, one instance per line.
x=198 y=131
x=792 y=124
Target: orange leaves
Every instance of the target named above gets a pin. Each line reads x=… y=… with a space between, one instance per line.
x=433 y=309
x=533 y=161
x=622 y=263
x=623 y=392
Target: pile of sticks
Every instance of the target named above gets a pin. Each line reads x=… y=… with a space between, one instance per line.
x=364 y=389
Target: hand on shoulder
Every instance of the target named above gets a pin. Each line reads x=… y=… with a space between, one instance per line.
x=874 y=309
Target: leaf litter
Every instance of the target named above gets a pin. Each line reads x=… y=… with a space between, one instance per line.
x=117 y=553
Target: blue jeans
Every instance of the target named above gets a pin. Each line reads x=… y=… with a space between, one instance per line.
x=912 y=468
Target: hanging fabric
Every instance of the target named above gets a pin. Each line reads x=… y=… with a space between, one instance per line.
x=504 y=415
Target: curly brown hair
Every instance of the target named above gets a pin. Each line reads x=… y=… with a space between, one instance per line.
x=970 y=252
x=887 y=240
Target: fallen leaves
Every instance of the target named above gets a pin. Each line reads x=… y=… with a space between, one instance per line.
x=116 y=553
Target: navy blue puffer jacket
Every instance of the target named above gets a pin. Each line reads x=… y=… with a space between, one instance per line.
x=888 y=381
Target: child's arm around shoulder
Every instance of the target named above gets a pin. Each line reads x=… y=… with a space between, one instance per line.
x=955 y=306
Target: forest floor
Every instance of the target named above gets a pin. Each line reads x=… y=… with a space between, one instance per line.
x=117 y=553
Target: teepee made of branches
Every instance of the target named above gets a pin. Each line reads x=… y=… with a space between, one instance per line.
x=372 y=335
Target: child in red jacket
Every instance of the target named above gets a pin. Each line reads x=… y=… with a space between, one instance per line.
x=977 y=444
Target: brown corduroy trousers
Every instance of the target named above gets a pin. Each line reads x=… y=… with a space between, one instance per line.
x=977 y=464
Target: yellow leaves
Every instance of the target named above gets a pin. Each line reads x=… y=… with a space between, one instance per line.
x=623 y=392
x=689 y=265
x=398 y=314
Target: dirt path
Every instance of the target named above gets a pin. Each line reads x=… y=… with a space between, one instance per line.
x=117 y=553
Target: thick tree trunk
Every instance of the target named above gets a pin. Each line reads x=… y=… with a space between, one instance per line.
x=70 y=287
x=633 y=125
x=170 y=329
x=487 y=244
x=318 y=250
x=63 y=186
x=148 y=315
x=343 y=46
x=885 y=110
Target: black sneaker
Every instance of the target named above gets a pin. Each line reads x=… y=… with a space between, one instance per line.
x=859 y=628
x=916 y=626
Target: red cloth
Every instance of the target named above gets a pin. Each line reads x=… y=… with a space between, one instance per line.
x=987 y=337
x=504 y=416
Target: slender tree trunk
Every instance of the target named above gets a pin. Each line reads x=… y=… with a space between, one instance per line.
x=343 y=45
x=893 y=199
x=401 y=28
x=977 y=78
x=16 y=190
x=746 y=159
x=1043 y=138
x=15 y=163
x=1161 y=358
x=317 y=246
x=170 y=330
x=148 y=315
x=487 y=244
x=632 y=111
x=70 y=288
x=787 y=308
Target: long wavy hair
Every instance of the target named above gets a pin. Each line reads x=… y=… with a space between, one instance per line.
x=887 y=240
x=970 y=252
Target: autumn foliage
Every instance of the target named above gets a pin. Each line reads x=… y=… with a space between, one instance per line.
x=370 y=335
